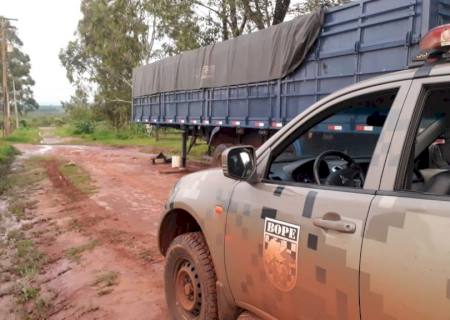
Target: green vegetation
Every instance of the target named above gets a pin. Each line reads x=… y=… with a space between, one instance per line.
x=23 y=135
x=75 y=253
x=29 y=259
x=45 y=116
x=15 y=235
x=18 y=210
x=28 y=263
x=34 y=172
x=135 y=135
x=107 y=279
x=7 y=152
x=26 y=294
x=19 y=68
x=79 y=177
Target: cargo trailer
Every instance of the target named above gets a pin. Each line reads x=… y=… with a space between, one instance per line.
x=243 y=90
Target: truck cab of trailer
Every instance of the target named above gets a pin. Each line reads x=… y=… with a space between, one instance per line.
x=327 y=219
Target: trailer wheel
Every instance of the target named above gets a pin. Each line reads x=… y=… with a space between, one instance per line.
x=190 y=279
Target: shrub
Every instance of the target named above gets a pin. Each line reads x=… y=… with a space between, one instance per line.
x=122 y=135
x=84 y=127
x=138 y=130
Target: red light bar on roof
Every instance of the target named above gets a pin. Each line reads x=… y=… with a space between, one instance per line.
x=437 y=38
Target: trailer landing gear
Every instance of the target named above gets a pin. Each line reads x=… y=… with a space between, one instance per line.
x=185 y=136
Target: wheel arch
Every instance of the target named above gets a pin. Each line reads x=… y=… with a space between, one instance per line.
x=173 y=224
x=179 y=221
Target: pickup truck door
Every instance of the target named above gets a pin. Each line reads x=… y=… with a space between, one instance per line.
x=279 y=264
x=405 y=261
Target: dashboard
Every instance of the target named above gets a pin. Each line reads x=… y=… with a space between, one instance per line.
x=302 y=170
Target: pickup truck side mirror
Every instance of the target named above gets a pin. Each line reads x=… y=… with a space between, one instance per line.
x=239 y=163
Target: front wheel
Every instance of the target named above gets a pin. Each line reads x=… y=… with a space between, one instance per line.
x=190 y=279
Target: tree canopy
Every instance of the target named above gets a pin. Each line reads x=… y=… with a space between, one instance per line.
x=19 y=67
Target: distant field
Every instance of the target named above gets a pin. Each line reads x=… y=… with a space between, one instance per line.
x=44 y=111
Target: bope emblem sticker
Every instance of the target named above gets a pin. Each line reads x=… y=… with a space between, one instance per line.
x=280 y=253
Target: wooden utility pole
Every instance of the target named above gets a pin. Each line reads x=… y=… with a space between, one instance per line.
x=4 y=49
x=16 y=111
x=6 y=113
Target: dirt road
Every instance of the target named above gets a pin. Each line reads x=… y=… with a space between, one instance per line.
x=102 y=248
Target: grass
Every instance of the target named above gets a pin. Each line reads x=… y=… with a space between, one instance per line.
x=18 y=207
x=28 y=263
x=23 y=135
x=32 y=173
x=107 y=279
x=75 y=253
x=28 y=293
x=78 y=177
x=40 y=307
x=169 y=140
x=7 y=151
x=29 y=259
x=15 y=235
x=18 y=210
x=105 y=282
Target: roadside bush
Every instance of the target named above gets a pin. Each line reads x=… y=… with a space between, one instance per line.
x=122 y=135
x=59 y=122
x=79 y=113
x=84 y=127
x=23 y=135
x=138 y=130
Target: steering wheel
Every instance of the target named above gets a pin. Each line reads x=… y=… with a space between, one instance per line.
x=346 y=177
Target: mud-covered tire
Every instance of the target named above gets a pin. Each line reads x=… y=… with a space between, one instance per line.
x=189 y=266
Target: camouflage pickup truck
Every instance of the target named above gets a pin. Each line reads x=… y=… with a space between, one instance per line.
x=325 y=220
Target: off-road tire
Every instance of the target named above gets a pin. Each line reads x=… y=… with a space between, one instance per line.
x=190 y=251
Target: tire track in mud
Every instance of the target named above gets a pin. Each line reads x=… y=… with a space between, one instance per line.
x=133 y=257
x=89 y=214
x=118 y=223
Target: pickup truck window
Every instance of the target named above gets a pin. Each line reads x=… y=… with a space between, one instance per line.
x=428 y=167
x=351 y=128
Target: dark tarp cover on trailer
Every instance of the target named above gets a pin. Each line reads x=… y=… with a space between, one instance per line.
x=268 y=54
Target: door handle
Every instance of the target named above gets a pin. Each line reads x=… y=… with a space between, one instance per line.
x=333 y=221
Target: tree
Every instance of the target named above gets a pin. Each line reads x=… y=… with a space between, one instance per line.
x=78 y=107
x=19 y=67
x=189 y=24
x=111 y=39
x=311 y=5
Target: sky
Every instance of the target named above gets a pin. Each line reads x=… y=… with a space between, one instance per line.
x=45 y=27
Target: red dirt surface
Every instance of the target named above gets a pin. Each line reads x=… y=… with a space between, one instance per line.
x=120 y=222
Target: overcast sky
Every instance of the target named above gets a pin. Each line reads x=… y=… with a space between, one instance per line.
x=45 y=27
